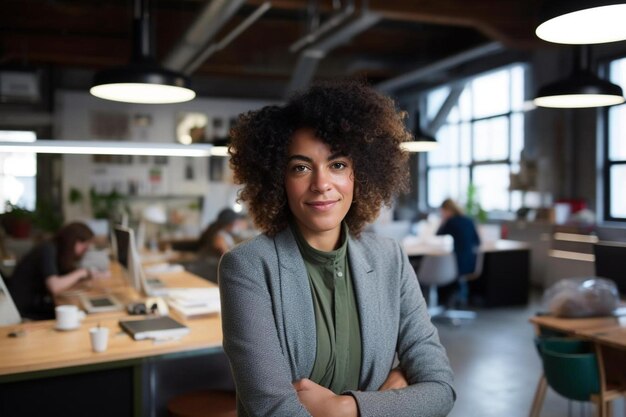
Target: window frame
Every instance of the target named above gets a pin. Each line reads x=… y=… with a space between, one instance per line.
x=473 y=163
x=607 y=163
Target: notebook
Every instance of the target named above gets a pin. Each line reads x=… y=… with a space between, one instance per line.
x=100 y=304
x=163 y=327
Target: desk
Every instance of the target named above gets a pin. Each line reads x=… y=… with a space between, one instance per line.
x=505 y=278
x=605 y=332
x=45 y=360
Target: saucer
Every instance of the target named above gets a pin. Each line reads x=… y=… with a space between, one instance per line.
x=66 y=329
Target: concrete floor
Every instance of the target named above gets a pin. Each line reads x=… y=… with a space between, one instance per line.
x=497 y=367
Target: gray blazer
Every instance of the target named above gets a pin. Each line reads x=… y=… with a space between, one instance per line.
x=269 y=329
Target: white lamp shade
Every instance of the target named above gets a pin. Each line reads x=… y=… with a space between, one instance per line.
x=589 y=25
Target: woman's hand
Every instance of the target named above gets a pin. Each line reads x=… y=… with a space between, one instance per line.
x=322 y=402
x=395 y=380
x=96 y=274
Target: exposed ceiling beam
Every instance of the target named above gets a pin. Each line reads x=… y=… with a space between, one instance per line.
x=510 y=22
x=310 y=57
x=406 y=80
x=445 y=109
x=210 y=20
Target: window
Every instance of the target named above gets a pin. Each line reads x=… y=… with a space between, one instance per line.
x=615 y=151
x=17 y=172
x=480 y=142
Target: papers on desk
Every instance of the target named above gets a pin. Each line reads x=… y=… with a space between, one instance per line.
x=163 y=268
x=195 y=301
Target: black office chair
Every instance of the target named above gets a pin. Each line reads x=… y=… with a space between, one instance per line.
x=610 y=264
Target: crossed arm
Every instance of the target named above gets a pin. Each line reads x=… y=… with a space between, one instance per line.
x=321 y=401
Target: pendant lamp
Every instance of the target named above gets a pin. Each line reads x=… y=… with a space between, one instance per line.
x=143 y=80
x=422 y=142
x=582 y=89
x=582 y=21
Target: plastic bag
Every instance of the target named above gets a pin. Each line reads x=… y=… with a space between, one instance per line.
x=581 y=297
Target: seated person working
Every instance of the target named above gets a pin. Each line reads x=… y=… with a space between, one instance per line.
x=49 y=269
x=218 y=238
x=466 y=243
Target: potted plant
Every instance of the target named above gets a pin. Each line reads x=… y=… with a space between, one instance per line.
x=17 y=221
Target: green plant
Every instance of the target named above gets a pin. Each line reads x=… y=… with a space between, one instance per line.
x=75 y=196
x=15 y=211
x=47 y=217
x=472 y=205
x=16 y=220
x=107 y=206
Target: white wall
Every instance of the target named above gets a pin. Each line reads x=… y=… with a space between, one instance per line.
x=74 y=117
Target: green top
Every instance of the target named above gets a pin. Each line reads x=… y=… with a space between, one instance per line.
x=338 y=355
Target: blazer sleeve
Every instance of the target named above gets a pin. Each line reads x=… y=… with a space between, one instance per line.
x=422 y=359
x=261 y=372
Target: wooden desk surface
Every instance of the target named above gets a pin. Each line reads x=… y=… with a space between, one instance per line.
x=425 y=248
x=43 y=348
x=604 y=330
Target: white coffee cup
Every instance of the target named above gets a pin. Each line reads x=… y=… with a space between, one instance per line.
x=99 y=338
x=68 y=317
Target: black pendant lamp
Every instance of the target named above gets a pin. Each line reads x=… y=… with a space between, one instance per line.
x=143 y=80
x=421 y=142
x=582 y=21
x=582 y=89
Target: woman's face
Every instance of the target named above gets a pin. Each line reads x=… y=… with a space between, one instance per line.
x=80 y=248
x=319 y=185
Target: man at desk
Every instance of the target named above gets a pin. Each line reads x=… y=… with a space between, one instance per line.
x=466 y=243
x=49 y=269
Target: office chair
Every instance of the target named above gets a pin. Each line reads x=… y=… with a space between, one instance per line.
x=435 y=271
x=464 y=280
x=575 y=371
x=609 y=262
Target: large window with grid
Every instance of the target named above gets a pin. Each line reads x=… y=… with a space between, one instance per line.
x=615 y=151
x=481 y=141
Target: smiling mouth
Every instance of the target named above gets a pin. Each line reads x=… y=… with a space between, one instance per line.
x=322 y=205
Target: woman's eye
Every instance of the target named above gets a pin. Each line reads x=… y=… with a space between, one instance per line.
x=338 y=165
x=299 y=168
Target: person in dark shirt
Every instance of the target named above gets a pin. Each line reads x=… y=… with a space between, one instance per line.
x=50 y=268
x=466 y=243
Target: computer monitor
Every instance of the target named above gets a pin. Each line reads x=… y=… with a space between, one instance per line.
x=8 y=311
x=610 y=262
x=128 y=257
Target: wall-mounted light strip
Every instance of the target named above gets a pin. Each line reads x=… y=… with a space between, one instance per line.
x=90 y=147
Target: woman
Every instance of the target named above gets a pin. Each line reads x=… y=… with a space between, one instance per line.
x=466 y=244
x=49 y=269
x=218 y=238
x=314 y=311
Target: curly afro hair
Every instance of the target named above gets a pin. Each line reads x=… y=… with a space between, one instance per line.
x=348 y=116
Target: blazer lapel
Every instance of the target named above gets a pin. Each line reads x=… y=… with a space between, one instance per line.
x=364 y=281
x=296 y=302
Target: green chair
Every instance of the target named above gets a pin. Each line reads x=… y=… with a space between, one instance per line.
x=572 y=369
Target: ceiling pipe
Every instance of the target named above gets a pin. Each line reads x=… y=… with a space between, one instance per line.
x=211 y=19
x=310 y=57
x=412 y=77
x=231 y=36
x=332 y=23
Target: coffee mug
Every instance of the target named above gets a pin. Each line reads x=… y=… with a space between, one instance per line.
x=99 y=338
x=68 y=317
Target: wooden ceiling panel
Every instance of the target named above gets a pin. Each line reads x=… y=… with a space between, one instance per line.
x=91 y=35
